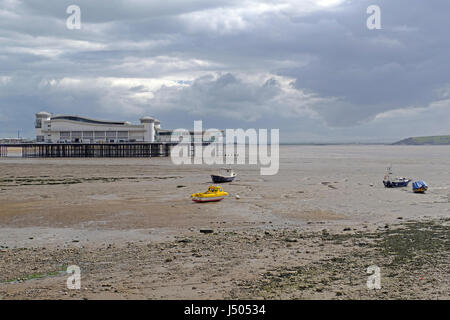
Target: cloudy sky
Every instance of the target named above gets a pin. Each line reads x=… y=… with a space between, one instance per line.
x=309 y=67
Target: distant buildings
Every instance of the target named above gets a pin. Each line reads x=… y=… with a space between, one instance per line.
x=13 y=140
x=67 y=128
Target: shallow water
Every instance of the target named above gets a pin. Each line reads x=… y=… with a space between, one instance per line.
x=316 y=185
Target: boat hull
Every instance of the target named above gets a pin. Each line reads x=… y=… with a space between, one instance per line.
x=396 y=184
x=220 y=179
x=208 y=199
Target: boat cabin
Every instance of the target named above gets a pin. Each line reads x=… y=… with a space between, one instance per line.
x=214 y=189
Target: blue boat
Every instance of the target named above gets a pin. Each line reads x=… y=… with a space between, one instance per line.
x=225 y=175
x=419 y=186
x=396 y=183
x=390 y=182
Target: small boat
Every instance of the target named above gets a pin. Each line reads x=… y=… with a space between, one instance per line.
x=214 y=193
x=225 y=175
x=419 y=187
x=390 y=182
x=396 y=183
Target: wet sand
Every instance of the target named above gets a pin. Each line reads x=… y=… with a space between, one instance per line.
x=310 y=231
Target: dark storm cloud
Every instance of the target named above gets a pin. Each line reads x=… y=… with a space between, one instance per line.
x=374 y=71
x=312 y=69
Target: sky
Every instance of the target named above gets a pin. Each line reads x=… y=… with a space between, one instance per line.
x=311 y=68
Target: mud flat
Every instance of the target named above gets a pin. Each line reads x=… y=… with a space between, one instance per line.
x=310 y=231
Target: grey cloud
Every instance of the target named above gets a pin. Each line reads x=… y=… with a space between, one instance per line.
x=225 y=96
x=118 y=10
x=342 y=75
x=375 y=71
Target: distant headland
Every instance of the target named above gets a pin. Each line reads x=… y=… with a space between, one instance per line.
x=418 y=141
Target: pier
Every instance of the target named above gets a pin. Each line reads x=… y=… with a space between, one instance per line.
x=90 y=150
x=3 y=150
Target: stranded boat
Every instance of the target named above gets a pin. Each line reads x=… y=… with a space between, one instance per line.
x=224 y=175
x=214 y=193
x=419 y=187
x=390 y=182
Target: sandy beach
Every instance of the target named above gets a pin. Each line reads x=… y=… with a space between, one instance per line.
x=309 y=232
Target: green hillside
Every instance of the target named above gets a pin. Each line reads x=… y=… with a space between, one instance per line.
x=433 y=140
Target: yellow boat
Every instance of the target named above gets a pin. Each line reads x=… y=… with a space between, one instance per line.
x=214 y=193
